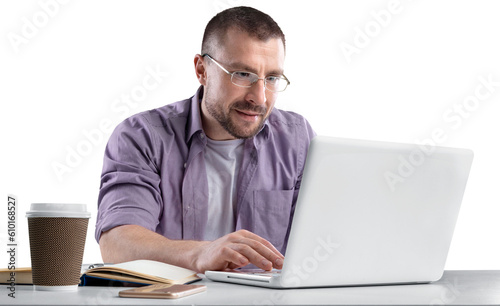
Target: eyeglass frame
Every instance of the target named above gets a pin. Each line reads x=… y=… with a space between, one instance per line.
x=263 y=79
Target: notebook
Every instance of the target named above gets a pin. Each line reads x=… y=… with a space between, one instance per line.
x=369 y=213
x=125 y=274
x=136 y=272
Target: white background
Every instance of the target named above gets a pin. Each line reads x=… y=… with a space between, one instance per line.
x=65 y=69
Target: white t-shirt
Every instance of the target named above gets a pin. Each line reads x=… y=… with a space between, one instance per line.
x=222 y=160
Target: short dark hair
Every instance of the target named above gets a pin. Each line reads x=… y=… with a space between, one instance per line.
x=252 y=21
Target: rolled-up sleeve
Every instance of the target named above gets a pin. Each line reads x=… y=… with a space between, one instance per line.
x=130 y=181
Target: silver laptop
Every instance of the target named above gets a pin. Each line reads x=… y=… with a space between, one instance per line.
x=369 y=213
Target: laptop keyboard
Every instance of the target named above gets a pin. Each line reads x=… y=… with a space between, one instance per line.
x=260 y=272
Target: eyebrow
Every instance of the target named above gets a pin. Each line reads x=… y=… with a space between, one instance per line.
x=237 y=66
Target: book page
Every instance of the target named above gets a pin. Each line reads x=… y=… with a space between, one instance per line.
x=153 y=268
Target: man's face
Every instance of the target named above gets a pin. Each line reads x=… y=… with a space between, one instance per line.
x=230 y=111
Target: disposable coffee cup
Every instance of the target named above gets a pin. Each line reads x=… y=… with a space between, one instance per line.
x=57 y=234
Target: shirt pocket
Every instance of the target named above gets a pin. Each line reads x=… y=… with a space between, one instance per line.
x=272 y=215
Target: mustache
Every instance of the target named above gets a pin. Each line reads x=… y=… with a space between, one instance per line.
x=246 y=106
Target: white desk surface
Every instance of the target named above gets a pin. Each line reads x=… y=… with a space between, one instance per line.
x=455 y=288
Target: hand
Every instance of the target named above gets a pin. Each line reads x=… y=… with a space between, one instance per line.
x=237 y=250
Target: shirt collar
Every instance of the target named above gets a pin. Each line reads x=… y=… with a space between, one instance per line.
x=194 y=122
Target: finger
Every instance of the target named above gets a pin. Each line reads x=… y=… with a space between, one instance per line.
x=233 y=258
x=252 y=255
x=265 y=248
x=232 y=266
x=259 y=254
x=263 y=241
x=269 y=257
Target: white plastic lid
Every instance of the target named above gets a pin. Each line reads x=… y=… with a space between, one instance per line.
x=58 y=210
x=55 y=288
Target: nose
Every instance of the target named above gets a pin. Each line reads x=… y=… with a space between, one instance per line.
x=257 y=93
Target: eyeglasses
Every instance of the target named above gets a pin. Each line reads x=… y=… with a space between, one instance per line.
x=274 y=83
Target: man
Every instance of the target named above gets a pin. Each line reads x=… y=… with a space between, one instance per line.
x=210 y=183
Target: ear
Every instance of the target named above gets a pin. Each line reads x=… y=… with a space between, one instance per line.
x=200 y=69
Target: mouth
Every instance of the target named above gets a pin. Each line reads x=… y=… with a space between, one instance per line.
x=248 y=116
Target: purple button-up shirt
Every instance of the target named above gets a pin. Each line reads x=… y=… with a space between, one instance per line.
x=154 y=174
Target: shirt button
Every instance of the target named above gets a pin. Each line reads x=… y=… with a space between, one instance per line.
x=202 y=135
x=185 y=165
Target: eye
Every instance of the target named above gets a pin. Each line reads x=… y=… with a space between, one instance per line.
x=242 y=75
x=272 y=79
